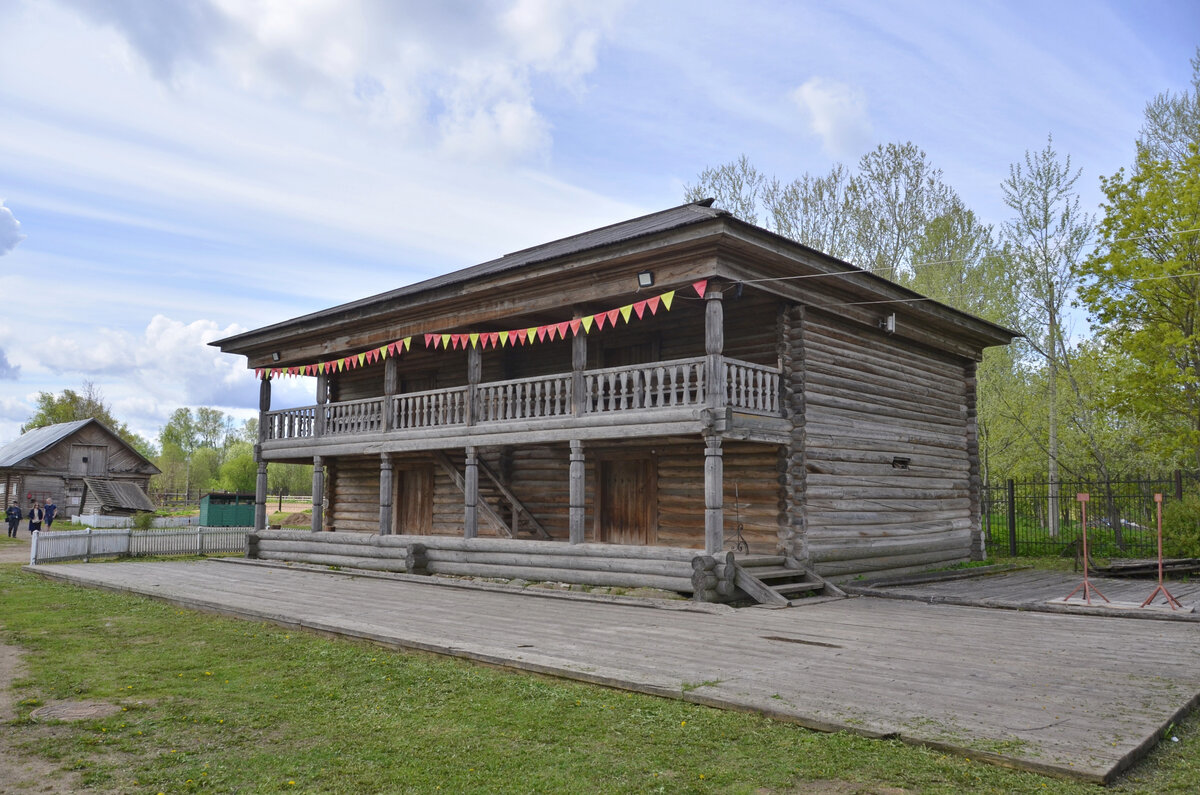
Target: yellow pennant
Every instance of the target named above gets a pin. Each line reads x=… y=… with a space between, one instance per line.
x=667 y=298
x=383 y=352
x=531 y=333
x=475 y=339
x=503 y=338
x=362 y=359
x=446 y=341
x=407 y=343
x=587 y=323
x=626 y=311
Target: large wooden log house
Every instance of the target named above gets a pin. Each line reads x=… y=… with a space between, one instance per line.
x=764 y=394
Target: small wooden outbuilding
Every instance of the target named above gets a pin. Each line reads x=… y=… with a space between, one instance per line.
x=81 y=466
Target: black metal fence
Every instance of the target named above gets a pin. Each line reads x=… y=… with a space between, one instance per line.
x=1121 y=515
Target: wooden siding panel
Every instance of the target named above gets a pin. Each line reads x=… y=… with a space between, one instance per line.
x=868 y=399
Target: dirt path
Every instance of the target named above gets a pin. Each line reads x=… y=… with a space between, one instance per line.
x=15 y=552
x=20 y=771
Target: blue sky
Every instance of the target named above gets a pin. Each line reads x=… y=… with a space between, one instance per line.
x=175 y=172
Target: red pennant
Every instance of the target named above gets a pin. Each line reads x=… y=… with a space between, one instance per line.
x=639 y=308
x=613 y=314
x=576 y=324
x=258 y=372
x=653 y=304
x=428 y=340
x=541 y=333
x=494 y=339
x=600 y=320
x=700 y=287
x=562 y=329
x=392 y=349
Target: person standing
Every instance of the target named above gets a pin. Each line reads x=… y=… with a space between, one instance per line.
x=51 y=510
x=36 y=515
x=13 y=515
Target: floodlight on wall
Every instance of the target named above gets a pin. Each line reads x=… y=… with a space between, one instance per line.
x=275 y=356
x=888 y=324
x=645 y=279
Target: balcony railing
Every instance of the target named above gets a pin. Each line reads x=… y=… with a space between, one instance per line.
x=681 y=383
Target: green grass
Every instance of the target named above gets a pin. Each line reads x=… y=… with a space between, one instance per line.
x=220 y=705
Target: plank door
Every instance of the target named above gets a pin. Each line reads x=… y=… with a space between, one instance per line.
x=627 y=502
x=89 y=460
x=413 y=504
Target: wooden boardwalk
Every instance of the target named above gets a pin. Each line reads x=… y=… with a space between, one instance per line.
x=1040 y=590
x=1074 y=696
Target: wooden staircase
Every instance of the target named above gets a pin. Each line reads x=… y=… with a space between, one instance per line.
x=506 y=519
x=769 y=581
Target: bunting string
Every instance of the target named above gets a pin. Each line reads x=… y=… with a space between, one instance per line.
x=488 y=339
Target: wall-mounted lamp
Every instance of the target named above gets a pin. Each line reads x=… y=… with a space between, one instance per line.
x=888 y=324
x=900 y=462
x=275 y=356
x=645 y=279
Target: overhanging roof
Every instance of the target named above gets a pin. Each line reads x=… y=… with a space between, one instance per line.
x=35 y=441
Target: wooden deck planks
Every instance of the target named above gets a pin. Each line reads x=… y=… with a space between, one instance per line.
x=1077 y=696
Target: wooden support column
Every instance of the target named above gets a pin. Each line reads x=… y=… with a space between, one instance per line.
x=576 y=494
x=322 y=400
x=714 y=347
x=260 y=482
x=578 y=365
x=318 y=494
x=391 y=386
x=474 y=372
x=471 y=495
x=793 y=539
x=714 y=491
x=385 y=494
x=978 y=550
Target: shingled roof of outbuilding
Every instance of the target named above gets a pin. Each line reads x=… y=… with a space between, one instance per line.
x=35 y=441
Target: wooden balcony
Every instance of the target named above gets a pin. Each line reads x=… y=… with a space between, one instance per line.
x=649 y=399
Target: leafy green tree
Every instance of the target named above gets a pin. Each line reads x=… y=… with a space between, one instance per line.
x=1173 y=121
x=88 y=403
x=1144 y=291
x=238 y=471
x=180 y=432
x=1045 y=239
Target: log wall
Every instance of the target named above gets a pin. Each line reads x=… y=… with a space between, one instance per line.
x=869 y=398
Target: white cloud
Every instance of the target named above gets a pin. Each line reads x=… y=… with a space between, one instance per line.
x=10 y=230
x=837 y=113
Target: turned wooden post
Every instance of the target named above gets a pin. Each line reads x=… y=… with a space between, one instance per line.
x=322 y=400
x=575 y=491
x=714 y=346
x=714 y=495
x=471 y=495
x=385 y=494
x=474 y=372
x=391 y=385
x=578 y=365
x=260 y=482
x=318 y=494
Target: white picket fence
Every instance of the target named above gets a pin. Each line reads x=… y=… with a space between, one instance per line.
x=51 y=546
x=94 y=520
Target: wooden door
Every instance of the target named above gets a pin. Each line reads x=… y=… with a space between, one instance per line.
x=90 y=460
x=628 y=498
x=413 y=504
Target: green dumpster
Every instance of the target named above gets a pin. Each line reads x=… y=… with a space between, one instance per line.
x=226 y=509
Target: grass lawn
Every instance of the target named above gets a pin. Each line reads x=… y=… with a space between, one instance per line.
x=219 y=705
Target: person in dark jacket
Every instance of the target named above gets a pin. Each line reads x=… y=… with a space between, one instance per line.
x=13 y=515
x=51 y=510
x=36 y=515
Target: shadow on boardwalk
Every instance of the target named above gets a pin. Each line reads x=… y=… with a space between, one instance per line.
x=1074 y=696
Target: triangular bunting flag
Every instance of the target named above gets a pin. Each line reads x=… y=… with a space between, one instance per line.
x=407 y=343
x=587 y=323
x=639 y=308
x=530 y=333
x=474 y=339
x=667 y=298
x=341 y=365
x=428 y=340
x=362 y=358
x=653 y=304
x=700 y=287
x=445 y=341
x=258 y=372
x=494 y=338
x=575 y=324
x=600 y=318
x=503 y=338
x=562 y=329
x=541 y=333
x=391 y=348
x=626 y=311
x=613 y=314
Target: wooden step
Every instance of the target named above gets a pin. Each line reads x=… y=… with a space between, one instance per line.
x=776 y=573
x=797 y=587
x=760 y=561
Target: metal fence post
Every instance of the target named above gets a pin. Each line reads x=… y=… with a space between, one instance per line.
x=1010 y=488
